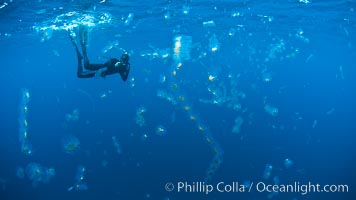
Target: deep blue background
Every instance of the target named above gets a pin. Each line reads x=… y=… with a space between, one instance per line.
x=302 y=89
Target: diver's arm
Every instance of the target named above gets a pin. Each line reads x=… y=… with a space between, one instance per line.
x=125 y=73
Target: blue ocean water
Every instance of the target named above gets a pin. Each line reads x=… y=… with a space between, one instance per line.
x=223 y=93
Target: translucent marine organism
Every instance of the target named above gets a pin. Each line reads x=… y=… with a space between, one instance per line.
x=39 y=174
x=211 y=77
x=181 y=52
x=167 y=15
x=80 y=180
x=160 y=130
x=164 y=95
x=132 y=82
x=78 y=186
x=267 y=171
x=237 y=126
x=266 y=77
x=104 y=163
x=185 y=9
x=271 y=110
x=80 y=173
x=288 y=163
x=209 y=23
x=129 y=19
x=237 y=107
x=26 y=146
x=182 y=48
x=3 y=5
x=341 y=73
x=217 y=159
x=315 y=122
x=331 y=111
x=117 y=144
x=34 y=172
x=71 y=144
x=3 y=181
x=140 y=120
x=276 y=49
x=214 y=44
x=74 y=116
x=162 y=78
x=300 y=35
x=109 y=47
x=145 y=136
x=202 y=127
x=55 y=52
x=51 y=172
x=247 y=183
x=232 y=32
x=141 y=110
x=20 y=172
x=274 y=192
x=105 y=94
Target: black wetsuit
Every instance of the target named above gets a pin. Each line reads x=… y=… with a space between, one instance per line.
x=112 y=66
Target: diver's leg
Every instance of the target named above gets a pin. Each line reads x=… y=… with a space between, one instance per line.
x=86 y=74
x=83 y=36
x=80 y=71
x=94 y=67
x=79 y=56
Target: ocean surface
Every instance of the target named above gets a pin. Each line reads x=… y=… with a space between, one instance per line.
x=224 y=100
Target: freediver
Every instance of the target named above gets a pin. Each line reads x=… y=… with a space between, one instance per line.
x=112 y=66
